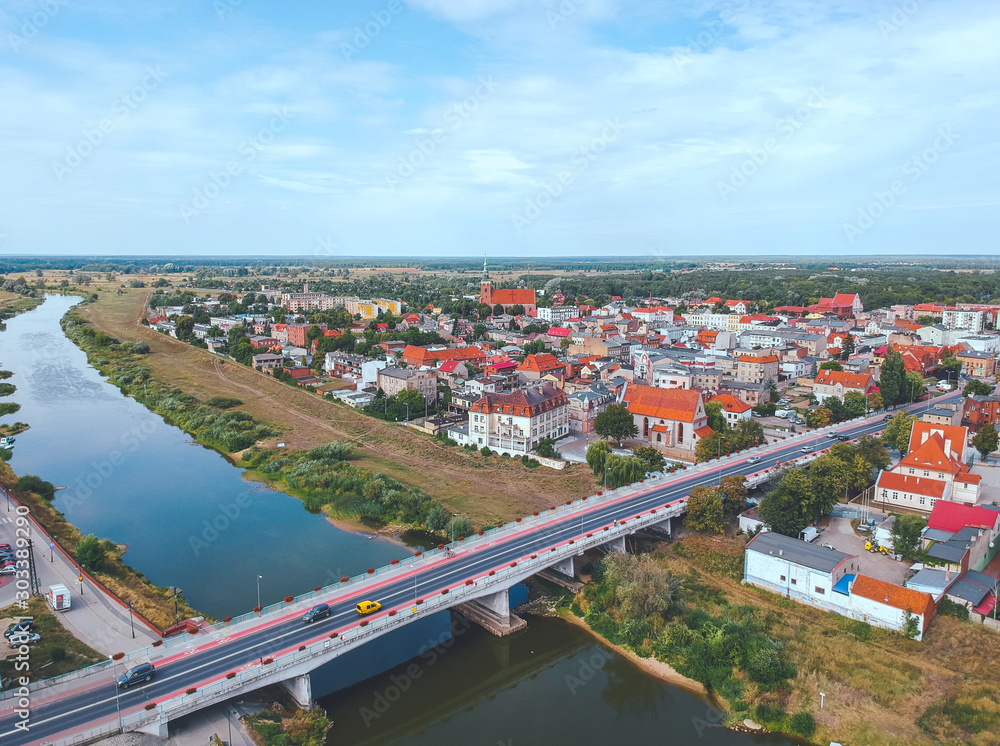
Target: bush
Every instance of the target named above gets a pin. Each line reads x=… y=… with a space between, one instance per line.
x=575 y=608
x=223 y=402
x=861 y=630
x=90 y=552
x=141 y=347
x=486 y=452
x=802 y=724
x=947 y=607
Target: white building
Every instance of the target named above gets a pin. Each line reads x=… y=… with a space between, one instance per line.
x=558 y=315
x=514 y=423
x=969 y=320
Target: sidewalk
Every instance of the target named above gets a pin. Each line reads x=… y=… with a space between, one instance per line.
x=94 y=618
x=196 y=728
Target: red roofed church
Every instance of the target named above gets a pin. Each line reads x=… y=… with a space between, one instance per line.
x=506 y=297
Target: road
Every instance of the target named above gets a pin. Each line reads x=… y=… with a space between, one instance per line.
x=83 y=703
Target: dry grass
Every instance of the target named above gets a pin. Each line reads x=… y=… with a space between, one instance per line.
x=482 y=490
x=876 y=691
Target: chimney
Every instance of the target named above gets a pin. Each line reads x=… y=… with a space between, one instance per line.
x=947 y=572
x=887 y=599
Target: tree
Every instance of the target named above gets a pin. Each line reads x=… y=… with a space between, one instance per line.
x=855 y=403
x=437 y=518
x=141 y=347
x=820 y=417
x=460 y=528
x=828 y=479
x=872 y=450
x=91 y=553
x=772 y=387
x=412 y=397
x=831 y=365
x=787 y=509
x=651 y=457
x=979 y=388
x=892 y=377
x=875 y=402
x=498 y=310
x=911 y=625
x=716 y=419
x=733 y=491
x=812 y=371
x=546 y=447
x=914 y=386
x=704 y=511
x=623 y=470
x=848 y=348
x=710 y=447
x=985 y=441
x=597 y=455
x=616 y=422
x=747 y=434
x=897 y=434
x=185 y=328
x=483 y=311
x=907 y=535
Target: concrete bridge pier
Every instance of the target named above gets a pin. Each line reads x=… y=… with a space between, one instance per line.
x=565 y=567
x=661 y=529
x=156 y=728
x=300 y=690
x=493 y=614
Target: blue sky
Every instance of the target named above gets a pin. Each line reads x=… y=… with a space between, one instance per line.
x=511 y=127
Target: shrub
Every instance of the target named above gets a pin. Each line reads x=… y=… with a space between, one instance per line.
x=803 y=724
x=223 y=402
x=947 y=607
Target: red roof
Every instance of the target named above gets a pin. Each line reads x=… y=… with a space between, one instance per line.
x=857 y=381
x=704 y=431
x=894 y=595
x=541 y=363
x=730 y=403
x=669 y=404
x=891 y=480
x=558 y=331
x=449 y=366
x=931 y=455
x=953 y=517
x=512 y=297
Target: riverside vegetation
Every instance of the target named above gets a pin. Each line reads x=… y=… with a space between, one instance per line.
x=767 y=658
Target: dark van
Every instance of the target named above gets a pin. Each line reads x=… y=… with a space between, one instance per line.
x=316 y=612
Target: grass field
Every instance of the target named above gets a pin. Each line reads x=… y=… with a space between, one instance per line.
x=482 y=490
x=57 y=653
x=885 y=690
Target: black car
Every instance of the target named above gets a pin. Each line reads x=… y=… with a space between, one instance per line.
x=137 y=675
x=316 y=612
x=843 y=437
x=887 y=418
x=20 y=627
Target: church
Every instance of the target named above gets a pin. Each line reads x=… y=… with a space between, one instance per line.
x=506 y=297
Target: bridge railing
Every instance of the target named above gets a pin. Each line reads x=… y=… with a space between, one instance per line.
x=430 y=604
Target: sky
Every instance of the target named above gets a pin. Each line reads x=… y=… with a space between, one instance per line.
x=538 y=128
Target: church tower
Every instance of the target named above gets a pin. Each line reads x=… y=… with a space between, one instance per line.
x=485 y=286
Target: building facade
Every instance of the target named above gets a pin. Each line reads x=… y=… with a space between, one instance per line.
x=514 y=423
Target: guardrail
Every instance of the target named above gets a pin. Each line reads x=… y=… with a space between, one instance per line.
x=338 y=643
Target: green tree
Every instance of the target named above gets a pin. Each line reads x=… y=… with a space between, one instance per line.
x=141 y=347
x=716 y=419
x=848 y=348
x=483 y=311
x=704 y=511
x=985 y=441
x=91 y=553
x=711 y=447
x=892 y=377
x=875 y=402
x=460 y=528
x=855 y=403
x=907 y=533
x=413 y=398
x=733 y=491
x=597 y=455
x=498 y=310
x=185 y=328
x=897 y=433
x=623 y=470
x=828 y=479
x=437 y=518
x=546 y=447
x=772 y=388
x=979 y=388
x=616 y=422
x=787 y=508
x=820 y=417
x=914 y=386
x=651 y=457
x=747 y=434
x=872 y=450
x=831 y=365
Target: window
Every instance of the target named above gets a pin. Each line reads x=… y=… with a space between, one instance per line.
x=794 y=581
x=782 y=577
x=820 y=591
x=895 y=495
x=923 y=500
x=926 y=473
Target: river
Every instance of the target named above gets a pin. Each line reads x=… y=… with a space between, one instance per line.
x=190 y=520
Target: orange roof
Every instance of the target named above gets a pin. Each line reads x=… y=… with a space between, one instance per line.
x=730 y=403
x=891 y=480
x=512 y=297
x=667 y=404
x=758 y=358
x=540 y=363
x=844 y=297
x=422 y=356
x=704 y=431
x=893 y=595
x=969 y=478
x=931 y=455
x=860 y=381
x=956 y=434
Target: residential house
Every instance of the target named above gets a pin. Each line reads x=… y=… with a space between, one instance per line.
x=962 y=535
x=757 y=368
x=890 y=606
x=981 y=410
x=541 y=365
x=267 y=361
x=514 y=423
x=584 y=406
x=430 y=356
x=837 y=383
x=394 y=380
x=733 y=409
x=977 y=364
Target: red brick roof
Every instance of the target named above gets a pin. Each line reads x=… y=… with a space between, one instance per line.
x=758 y=358
x=730 y=403
x=894 y=595
x=922 y=431
x=418 y=356
x=523 y=403
x=952 y=517
x=858 y=381
x=891 y=480
x=541 y=363
x=668 y=404
x=512 y=297
x=931 y=455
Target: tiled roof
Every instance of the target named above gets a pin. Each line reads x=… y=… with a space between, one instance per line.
x=956 y=434
x=731 y=404
x=668 y=404
x=931 y=455
x=529 y=402
x=540 y=363
x=758 y=358
x=847 y=380
x=704 y=431
x=926 y=486
x=893 y=595
x=512 y=297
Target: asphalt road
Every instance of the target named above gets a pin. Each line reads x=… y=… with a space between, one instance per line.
x=78 y=705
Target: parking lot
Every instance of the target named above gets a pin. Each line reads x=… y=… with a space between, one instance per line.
x=841 y=536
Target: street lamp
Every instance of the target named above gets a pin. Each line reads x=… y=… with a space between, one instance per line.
x=454 y=516
x=131 y=620
x=259 y=578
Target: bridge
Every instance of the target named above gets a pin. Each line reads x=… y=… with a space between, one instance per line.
x=272 y=645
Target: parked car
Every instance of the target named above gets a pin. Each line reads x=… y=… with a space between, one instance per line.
x=754 y=460
x=23 y=626
x=8 y=570
x=807 y=449
x=320 y=611
x=137 y=675
x=23 y=638
x=368 y=607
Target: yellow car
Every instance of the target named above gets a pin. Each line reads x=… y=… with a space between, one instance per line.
x=368 y=607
